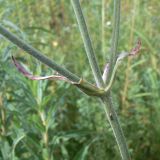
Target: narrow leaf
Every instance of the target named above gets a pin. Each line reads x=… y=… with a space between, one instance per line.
x=133 y=52
x=136 y=49
x=22 y=70
x=83 y=85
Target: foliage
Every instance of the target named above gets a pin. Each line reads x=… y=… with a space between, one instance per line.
x=51 y=121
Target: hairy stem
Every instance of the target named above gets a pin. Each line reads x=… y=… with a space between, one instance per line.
x=103 y=28
x=84 y=85
x=115 y=37
x=38 y=55
x=106 y=99
x=87 y=43
x=114 y=122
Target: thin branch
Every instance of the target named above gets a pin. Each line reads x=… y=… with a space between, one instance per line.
x=83 y=85
x=121 y=56
x=115 y=37
x=103 y=28
x=87 y=43
x=37 y=54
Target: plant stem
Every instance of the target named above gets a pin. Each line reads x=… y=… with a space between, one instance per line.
x=87 y=43
x=84 y=85
x=106 y=99
x=115 y=37
x=38 y=55
x=103 y=29
x=115 y=124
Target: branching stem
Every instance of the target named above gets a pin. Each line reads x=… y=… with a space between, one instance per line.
x=106 y=99
x=115 y=37
x=87 y=43
x=105 y=96
x=84 y=85
x=37 y=54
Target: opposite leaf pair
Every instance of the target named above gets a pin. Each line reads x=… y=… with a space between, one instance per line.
x=87 y=88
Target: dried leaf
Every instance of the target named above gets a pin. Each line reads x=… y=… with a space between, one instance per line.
x=22 y=70
x=83 y=85
x=135 y=50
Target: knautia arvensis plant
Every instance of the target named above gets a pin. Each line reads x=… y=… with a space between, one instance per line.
x=102 y=89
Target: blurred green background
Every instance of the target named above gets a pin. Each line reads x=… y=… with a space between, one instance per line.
x=51 y=120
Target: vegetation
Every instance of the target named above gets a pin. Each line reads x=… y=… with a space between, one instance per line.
x=50 y=120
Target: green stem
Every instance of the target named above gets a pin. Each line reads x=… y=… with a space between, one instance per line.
x=116 y=127
x=37 y=54
x=103 y=29
x=85 y=86
x=115 y=37
x=87 y=43
x=109 y=85
x=106 y=99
